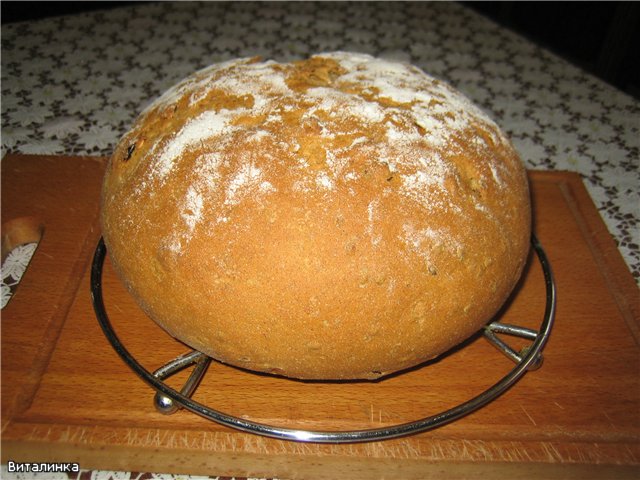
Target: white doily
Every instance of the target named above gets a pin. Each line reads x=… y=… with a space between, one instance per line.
x=13 y=268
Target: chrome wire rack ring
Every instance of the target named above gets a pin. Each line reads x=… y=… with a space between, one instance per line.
x=168 y=400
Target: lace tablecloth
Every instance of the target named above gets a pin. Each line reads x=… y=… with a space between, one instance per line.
x=72 y=85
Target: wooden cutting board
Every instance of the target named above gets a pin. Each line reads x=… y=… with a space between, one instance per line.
x=68 y=397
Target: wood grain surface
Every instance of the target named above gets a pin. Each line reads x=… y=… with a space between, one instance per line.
x=68 y=397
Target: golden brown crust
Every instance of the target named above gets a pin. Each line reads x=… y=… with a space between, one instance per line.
x=338 y=217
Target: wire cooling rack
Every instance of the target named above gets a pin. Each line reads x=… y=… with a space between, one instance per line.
x=168 y=400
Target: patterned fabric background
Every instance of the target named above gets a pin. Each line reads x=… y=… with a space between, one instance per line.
x=72 y=85
x=104 y=475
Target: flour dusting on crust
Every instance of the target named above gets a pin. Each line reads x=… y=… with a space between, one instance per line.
x=351 y=106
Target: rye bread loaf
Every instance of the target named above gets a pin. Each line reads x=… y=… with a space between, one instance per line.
x=338 y=217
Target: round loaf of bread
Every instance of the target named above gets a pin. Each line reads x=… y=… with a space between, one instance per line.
x=340 y=217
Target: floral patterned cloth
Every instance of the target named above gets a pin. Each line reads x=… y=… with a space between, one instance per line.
x=13 y=268
x=72 y=85
x=107 y=475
